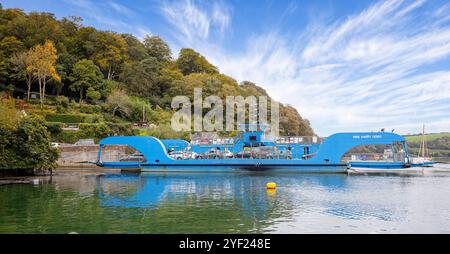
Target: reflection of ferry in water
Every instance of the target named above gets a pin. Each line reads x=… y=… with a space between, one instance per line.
x=253 y=150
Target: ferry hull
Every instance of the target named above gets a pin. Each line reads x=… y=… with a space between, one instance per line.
x=191 y=166
x=378 y=165
x=246 y=168
x=427 y=164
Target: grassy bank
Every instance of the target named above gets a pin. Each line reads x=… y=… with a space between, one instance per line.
x=438 y=144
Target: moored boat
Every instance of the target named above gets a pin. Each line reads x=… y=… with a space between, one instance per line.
x=423 y=159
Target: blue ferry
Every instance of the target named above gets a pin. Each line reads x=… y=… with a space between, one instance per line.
x=253 y=150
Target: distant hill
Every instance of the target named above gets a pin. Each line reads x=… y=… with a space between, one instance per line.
x=438 y=144
x=428 y=137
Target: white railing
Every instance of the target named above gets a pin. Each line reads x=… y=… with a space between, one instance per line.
x=297 y=140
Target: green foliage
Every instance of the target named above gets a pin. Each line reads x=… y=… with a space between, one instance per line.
x=190 y=61
x=62 y=101
x=27 y=146
x=292 y=124
x=109 y=52
x=90 y=109
x=10 y=88
x=136 y=50
x=104 y=65
x=86 y=75
x=108 y=87
x=97 y=131
x=8 y=47
x=93 y=94
x=119 y=102
x=121 y=129
x=141 y=78
x=438 y=144
x=66 y=137
x=8 y=114
x=64 y=65
x=64 y=118
x=157 y=48
x=93 y=119
x=428 y=137
x=54 y=128
x=35 y=28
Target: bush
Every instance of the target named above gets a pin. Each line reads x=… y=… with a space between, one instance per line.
x=93 y=119
x=62 y=101
x=54 y=128
x=60 y=109
x=123 y=129
x=90 y=109
x=67 y=137
x=93 y=94
x=64 y=118
x=97 y=131
x=27 y=146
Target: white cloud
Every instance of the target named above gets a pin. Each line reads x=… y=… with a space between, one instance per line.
x=221 y=16
x=193 y=22
x=386 y=66
x=364 y=72
x=112 y=15
x=123 y=10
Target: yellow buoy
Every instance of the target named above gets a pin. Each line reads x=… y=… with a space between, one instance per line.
x=271 y=192
x=271 y=185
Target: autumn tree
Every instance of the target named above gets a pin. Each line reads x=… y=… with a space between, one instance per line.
x=292 y=124
x=86 y=76
x=42 y=65
x=123 y=63
x=110 y=53
x=36 y=28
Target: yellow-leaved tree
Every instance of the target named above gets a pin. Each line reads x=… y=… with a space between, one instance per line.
x=43 y=65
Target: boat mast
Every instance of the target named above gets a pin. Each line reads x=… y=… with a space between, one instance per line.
x=423 y=142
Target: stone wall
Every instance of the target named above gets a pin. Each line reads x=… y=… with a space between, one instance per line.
x=80 y=156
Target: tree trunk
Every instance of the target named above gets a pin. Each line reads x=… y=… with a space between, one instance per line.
x=114 y=110
x=40 y=93
x=29 y=89
x=43 y=89
x=109 y=73
x=81 y=95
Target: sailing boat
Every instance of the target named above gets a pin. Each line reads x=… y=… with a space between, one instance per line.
x=423 y=158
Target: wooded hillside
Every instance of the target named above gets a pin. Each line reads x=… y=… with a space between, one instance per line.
x=81 y=70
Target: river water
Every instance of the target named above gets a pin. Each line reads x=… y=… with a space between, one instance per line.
x=86 y=201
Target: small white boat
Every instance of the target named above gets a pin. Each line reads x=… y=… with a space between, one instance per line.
x=361 y=170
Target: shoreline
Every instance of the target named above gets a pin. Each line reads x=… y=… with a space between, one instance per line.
x=67 y=170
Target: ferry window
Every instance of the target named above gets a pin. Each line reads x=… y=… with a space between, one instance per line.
x=120 y=153
x=384 y=153
x=252 y=138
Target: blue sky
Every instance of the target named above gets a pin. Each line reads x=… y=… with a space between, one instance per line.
x=345 y=65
